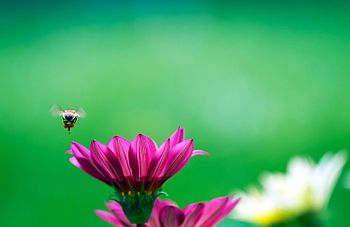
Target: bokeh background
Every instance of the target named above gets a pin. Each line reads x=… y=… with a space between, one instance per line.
x=254 y=83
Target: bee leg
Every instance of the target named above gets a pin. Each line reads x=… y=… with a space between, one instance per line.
x=69 y=130
x=72 y=125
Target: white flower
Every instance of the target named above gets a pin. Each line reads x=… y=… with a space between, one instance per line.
x=305 y=187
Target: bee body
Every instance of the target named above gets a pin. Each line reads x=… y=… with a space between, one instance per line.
x=69 y=116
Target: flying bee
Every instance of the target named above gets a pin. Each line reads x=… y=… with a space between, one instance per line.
x=69 y=116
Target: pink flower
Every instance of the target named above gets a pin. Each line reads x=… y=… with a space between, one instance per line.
x=136 y=170
x=167 y=214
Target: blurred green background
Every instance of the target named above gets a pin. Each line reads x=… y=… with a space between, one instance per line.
x=253 y=83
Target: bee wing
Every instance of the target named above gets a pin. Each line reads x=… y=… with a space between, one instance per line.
x=81 y=112
x=56 y=110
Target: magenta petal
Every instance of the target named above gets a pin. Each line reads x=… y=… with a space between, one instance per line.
x=158 y=162
x=118 y=212
x=216 y=210
x=199 y=152
x=141 y=152
x=193 y=213
x=80 y=151
x=100 y=160
x=69 y=152
x=74 y=161
x=82 y=156
x=85 y=165
x=158 y=206
x=111 y=219
x=120 y=148
x=177 y=137
x=171 y=216
x=178 y=158
x=117 y=218
x=106 y=161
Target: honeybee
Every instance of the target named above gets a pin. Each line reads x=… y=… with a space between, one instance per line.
x=69 y=116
